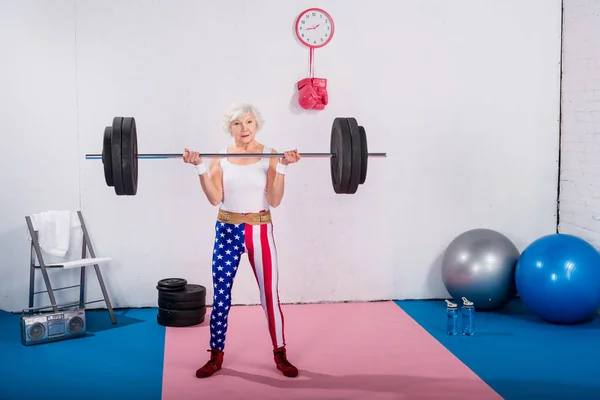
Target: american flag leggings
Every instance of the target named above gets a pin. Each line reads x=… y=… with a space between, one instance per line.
x=231 y=242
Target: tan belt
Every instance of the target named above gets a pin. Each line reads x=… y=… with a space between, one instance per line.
x=258 y=218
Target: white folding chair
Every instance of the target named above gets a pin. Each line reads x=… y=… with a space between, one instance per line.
x=80 y=263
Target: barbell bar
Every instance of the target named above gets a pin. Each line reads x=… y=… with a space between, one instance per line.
x=348 y=155
x=234 y=155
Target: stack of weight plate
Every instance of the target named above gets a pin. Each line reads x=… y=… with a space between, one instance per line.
x=180 y=303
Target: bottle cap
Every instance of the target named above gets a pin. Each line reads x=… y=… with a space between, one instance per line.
x=466 y=302
x=450 y=304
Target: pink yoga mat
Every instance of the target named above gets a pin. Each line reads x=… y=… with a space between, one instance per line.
x=343 y=351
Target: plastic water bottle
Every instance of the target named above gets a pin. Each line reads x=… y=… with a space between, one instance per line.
x=468 y=317
x=452 y=318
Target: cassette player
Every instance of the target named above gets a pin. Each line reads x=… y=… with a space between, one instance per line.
x=51 y=327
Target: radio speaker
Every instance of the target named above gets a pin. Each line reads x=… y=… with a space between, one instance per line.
x=51 y=327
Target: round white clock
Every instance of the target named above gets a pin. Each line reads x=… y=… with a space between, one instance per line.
x=314 y=27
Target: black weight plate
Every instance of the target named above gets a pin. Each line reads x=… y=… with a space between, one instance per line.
x=180 y=322
x=180 y=305
x=167 y=314
x=129 y=156
x=107 y=157
x=172 y=283
x=341 y=159
x=116 y=154
x=191 y=292
x=169 y=289
x=356 y=158
x=364 y=151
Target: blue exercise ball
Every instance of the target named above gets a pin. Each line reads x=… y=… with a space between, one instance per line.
x=558 y=278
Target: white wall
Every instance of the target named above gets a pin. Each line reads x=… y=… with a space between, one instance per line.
x=463 y=96
x=580 y=133
x=40 y=153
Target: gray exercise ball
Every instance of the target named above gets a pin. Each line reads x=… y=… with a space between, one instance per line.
x=479 y=264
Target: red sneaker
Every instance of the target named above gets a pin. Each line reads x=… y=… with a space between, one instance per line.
x=213 y=365
x=286 y=368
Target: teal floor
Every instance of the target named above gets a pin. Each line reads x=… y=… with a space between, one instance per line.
x=518 y=355
x=124 y=361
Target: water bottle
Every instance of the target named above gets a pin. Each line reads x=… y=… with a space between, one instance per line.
x=468 y=317
x=452 y=318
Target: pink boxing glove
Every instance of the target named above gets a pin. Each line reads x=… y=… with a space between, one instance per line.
x=320 y=86
x=307 y=95
x=312 y=93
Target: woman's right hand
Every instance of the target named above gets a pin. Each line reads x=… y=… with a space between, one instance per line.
x=191 y=157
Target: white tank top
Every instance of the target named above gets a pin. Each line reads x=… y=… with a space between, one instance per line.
x=245 y=186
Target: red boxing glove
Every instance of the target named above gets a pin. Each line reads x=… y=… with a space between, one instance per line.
x=320 y=85
x=307 y=95
x=312 y=93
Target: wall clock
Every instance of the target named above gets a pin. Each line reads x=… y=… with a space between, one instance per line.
x=314 y=27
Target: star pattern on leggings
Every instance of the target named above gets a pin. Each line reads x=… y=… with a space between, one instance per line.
x=228 y=248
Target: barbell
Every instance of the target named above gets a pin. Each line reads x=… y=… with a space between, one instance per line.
x=348 y=155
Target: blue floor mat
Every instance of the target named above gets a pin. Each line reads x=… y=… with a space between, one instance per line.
x=119 y=361
x=519 y=355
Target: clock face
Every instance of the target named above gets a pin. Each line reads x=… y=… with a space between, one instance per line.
x=314 y=27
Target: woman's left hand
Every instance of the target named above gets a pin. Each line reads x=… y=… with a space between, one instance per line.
x=290 y=157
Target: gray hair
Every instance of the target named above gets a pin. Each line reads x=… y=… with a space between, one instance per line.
x=238 y=110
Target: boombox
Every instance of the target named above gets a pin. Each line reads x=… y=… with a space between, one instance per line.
x=50 y=327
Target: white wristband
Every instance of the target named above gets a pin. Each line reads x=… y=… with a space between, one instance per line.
x=200 y=169
x=281 y=168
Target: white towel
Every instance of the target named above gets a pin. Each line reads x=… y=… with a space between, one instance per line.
x=54 y=230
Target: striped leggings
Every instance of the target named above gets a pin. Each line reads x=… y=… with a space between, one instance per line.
x=231 y=242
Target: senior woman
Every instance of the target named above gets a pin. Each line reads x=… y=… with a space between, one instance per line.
x=245 y=189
